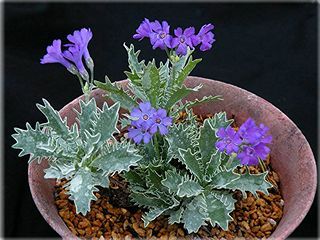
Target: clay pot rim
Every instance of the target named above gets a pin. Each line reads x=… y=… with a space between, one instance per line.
x=284 y=235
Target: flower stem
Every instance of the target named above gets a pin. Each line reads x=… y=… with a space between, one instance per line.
x=232 y=157
x=156 y=145
x=262 y=165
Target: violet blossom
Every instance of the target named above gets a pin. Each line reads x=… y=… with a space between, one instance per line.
x=54 y=55
x=230 y=140
x=160 y=36
x=146 y=121
x=182 y=40
x=250 y=155
x=249 y=142
x=160 y=122
x=144 y=30
x=139 y=133
x=205 y=37
x=143 y=114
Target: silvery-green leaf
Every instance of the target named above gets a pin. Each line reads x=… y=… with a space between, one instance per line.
x=54 y=120
x=212 y=165
x=178 y=94
x=194 y=215
x=251 y=183
x=189 y=188
x=187 y=69
x=151 y=83
x=217 y=210
x=87 y=115
x=145 y=200
x=59 y=170
x=172 y=180
x=207 y=140
x=33 y=142
x=82 y=186
x=180 y=136
x=116 y=158
x=223 y=178
x=175 y=216
x=117 y=94
x=134 y=64
x=106 y=123
x=191 y=162
x=220 y=120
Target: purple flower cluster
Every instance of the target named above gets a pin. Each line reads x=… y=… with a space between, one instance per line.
x=249 y=142
x=160 y=37
x=72 y=57
x=148 y=122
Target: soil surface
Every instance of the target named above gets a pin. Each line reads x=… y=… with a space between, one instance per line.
x=114 y=216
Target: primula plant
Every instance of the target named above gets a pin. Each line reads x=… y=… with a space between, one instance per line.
x=186 y=170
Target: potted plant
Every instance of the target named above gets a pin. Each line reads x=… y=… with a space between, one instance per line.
x=182 y=167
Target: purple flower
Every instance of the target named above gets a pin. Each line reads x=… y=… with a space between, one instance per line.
x=75 y=54
x=205 y=37
x=144 y=30
x=160 y=36
x=139 y=133
x=251 y=154
x=264 y=138
x=81 y=39
x=249 y=132
x=144 y=114
x=161 y=122
x=54 y=55
x=182 y=40
x=230 y=140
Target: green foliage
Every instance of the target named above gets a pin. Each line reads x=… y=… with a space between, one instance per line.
x=80 y=155
x=194 y=186
x=160 y=85
x=117 y=94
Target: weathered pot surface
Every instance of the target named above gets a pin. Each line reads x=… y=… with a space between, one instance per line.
x=291 y=154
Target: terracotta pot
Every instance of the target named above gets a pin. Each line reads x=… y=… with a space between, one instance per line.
x=291 y=154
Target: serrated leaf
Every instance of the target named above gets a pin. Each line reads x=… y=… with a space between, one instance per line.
x=144 y=200
x=196 y=102
x=60 y=169
x=175 y=216
x=134 y=64
x=180 y=136
x=178 y=94
x=251 y=183
x=220 y=120
x=217 y=211
x=212 y=165
x=54 y=119
x=106 y=123
x=191 y=162
x=151 y=83
x=82 y=186
x=86 y=116
x=226 y=163
x=186 y=71
x=223 y=177
x=207 y=140
x=138 y=91
x=194 y=214
x=32 y=141
x=117 y=94
x=116 y=158
x=172 y=180
x=189 y=188
x=156 y=212
x=152 y=215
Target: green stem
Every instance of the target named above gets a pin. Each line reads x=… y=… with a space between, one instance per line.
x=156 y=145
x=262 y=165
x=232 y=157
